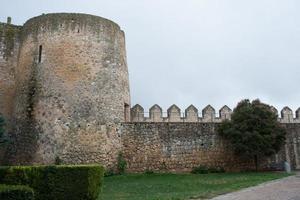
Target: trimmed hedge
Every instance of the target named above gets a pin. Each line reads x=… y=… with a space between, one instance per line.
x=76 y=182
x=16 y=192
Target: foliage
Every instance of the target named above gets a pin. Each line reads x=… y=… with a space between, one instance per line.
x=200 y=170
x=216 y=170
x=59 y=182
x=58 y=160
x=122 y=164
x=2 y=129
x=180 y=186
x=16 y=192
x=148 y=171
x=253 y=130
x=205 y=170
x=109 y=172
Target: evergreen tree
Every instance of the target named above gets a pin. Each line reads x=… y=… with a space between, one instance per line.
x=254 y=130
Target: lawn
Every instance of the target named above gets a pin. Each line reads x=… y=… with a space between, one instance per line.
x=179 y=186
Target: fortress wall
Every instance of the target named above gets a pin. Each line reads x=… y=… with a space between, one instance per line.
x=191 y=114
x=72 y=82
x=9 y=49
x=179 y=147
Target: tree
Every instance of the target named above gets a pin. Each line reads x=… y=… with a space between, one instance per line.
x=254 y=130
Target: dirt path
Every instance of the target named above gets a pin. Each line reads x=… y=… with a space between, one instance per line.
x=283 y=189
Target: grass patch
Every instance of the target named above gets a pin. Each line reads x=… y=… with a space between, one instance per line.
x=180 y=186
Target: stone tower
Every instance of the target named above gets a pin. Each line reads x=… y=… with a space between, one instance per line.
x=72 y=90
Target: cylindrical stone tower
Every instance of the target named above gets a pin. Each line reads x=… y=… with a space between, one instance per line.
x=72 y=90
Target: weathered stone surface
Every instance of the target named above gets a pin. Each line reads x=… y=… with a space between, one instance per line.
x=176 y=147
x=191 y=114
x=71 y=80
x=208 y=114
x=174 y=114
x=225 y=113
x=9 y=51
x=155 y=114
x=179 y=147
x=137 y=113
x=286 y=115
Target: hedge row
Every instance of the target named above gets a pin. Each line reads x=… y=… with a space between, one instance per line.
x=78 y=182
x=16 y=192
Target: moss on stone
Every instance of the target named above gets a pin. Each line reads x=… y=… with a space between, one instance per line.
x=8 y=35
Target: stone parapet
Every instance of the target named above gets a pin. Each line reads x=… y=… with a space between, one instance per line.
x=191 y=114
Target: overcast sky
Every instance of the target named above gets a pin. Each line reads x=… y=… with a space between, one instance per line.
x=197 y=51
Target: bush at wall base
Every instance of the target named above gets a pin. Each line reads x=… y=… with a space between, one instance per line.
x=205 y=170
x=76 y=182
x=16 y=192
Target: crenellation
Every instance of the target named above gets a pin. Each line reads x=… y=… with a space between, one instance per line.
x=174 y=114
x=191 y=114
x=225 y=113
x=137 y=113
x=155 y=114
x=208 y=114
x=274 y=110
x=286 y=115
x=297 y=119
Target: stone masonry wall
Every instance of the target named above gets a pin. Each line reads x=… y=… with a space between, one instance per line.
x=176 y=147
x=179 y=147
x=9 y=50
x=72 y=89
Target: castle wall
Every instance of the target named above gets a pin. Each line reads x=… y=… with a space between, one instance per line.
x=9 y=49
x=64 y=92
x=179 y=147
x=181 y=141
x=72 y=88
x=191 y=114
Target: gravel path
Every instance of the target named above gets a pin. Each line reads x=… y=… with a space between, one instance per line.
x=283 y=189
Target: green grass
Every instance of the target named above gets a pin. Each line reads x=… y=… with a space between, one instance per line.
x=179 y=186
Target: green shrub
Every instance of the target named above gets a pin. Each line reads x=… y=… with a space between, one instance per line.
x=78 y=182
x=109 y=172
x=122 y=164
x=216 y=170
x=200 y=170
x=16 y=192
x=58 y=161
x=148 y=171
x=205 y=170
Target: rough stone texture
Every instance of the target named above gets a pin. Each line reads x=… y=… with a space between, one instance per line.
x=176 y=147
x=67 y=98
x=9 y=48
x=179 y=147
x=191 y=114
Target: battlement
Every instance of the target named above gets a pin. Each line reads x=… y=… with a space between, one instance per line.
x=191 y=114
